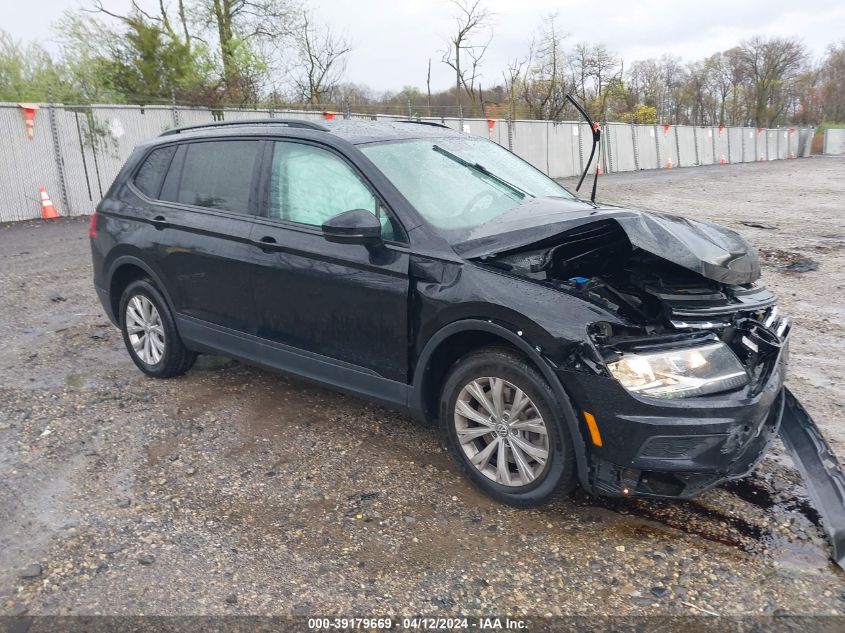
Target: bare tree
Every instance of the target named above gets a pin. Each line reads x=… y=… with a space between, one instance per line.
x=465 y=50
x=580 y=64
x=545 y=85
x=247 y=33
x=321 y=55
x=513 y=81
x=771 y=65
x=604 y=66
x=832 y=78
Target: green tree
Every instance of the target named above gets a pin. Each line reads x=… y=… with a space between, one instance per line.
x=28 y=73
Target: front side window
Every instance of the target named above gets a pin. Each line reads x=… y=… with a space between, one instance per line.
x=149 y=177
x=460 y=183
x=218 y=174
x=309 y=185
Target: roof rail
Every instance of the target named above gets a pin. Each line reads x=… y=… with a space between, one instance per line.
x=431 y=123
x=298 y=123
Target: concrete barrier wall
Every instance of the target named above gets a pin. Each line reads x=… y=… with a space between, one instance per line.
x=834 y=142
x=77 y=151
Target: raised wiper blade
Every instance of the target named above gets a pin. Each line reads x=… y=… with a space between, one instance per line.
x=481 y=169
x=596 y=143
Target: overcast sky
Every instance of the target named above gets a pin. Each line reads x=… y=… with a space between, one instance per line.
x=394 y=40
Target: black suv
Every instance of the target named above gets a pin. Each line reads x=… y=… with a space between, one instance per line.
x=557 y=341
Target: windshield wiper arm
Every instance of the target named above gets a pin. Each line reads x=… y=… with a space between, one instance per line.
x=596 y=143
x=481 y=169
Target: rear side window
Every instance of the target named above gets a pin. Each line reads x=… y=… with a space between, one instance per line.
x=218 y=174
x=149 y=177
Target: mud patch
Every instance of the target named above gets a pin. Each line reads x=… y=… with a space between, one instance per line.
x=753 y=519
x=789 y=261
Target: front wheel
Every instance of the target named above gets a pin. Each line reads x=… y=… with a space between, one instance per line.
x=502 y=424
x=149 y=332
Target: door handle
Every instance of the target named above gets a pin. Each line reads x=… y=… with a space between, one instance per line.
x=268 y=244
x=159 y=222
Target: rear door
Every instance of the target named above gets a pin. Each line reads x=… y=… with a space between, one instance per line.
x=340 y=309
x=203 y=219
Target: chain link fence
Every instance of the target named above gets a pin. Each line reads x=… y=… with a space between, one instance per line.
x=76 y=151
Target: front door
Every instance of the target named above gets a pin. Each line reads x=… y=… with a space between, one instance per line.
x=334 y=312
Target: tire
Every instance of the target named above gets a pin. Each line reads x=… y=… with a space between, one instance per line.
x=144 y=315
x=554 y=476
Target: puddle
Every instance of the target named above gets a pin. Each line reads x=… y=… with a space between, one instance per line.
x=753 y=491
x=754 y=532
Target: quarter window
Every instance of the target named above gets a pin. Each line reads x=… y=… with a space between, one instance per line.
x=151 y=174
x=218 y=174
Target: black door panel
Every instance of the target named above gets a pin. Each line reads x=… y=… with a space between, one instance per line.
x=343 y=301
x=201 y=230
x=206 y=258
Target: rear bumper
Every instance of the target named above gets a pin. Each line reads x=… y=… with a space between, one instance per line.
x=105 y=301
x=675 y=448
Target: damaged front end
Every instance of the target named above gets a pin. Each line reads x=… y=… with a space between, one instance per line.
x=684 y=389
x=685 y=386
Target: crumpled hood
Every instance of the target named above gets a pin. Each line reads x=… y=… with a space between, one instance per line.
x=708 y=249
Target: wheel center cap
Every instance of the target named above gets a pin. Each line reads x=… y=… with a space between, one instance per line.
x=502 y=429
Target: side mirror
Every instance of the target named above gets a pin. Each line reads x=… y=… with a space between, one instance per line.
x=358 y=226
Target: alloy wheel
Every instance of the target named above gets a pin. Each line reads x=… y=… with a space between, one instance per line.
x=501 y=432
x=145 y=330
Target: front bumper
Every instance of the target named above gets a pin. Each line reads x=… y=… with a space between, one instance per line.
x=675 y=448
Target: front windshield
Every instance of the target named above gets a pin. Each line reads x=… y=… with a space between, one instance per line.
x=460 y=183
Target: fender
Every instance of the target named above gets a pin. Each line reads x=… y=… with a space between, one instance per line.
x=415 y=392
x=134 y=260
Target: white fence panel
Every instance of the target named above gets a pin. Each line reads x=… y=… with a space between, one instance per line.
x=564 y=158
x=530 y=141
x=834 y=142
x=704 y=139
x=647 y=146
x=26 y=166
x=735 y=139
x=621 y=147
x=685 y=140
x=721 y=151
x=667 y=152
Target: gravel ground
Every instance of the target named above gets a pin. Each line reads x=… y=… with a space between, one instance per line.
x=232 y=490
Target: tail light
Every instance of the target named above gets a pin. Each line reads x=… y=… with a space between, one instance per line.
x=92 y=225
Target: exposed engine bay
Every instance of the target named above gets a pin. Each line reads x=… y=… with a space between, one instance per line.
x=659 y=301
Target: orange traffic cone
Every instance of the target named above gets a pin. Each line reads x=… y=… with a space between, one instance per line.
x=669 y=163
x=792 y=154
x=761 y=156
x=598 y=170
x=48 y=211
x=723 y=160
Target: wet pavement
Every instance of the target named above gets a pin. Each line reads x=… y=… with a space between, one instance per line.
x=233 y=490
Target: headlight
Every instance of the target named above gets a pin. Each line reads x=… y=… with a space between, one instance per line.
x=681 y=373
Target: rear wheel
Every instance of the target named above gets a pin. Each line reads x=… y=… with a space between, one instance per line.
x=501 y=423
x=149 y=332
